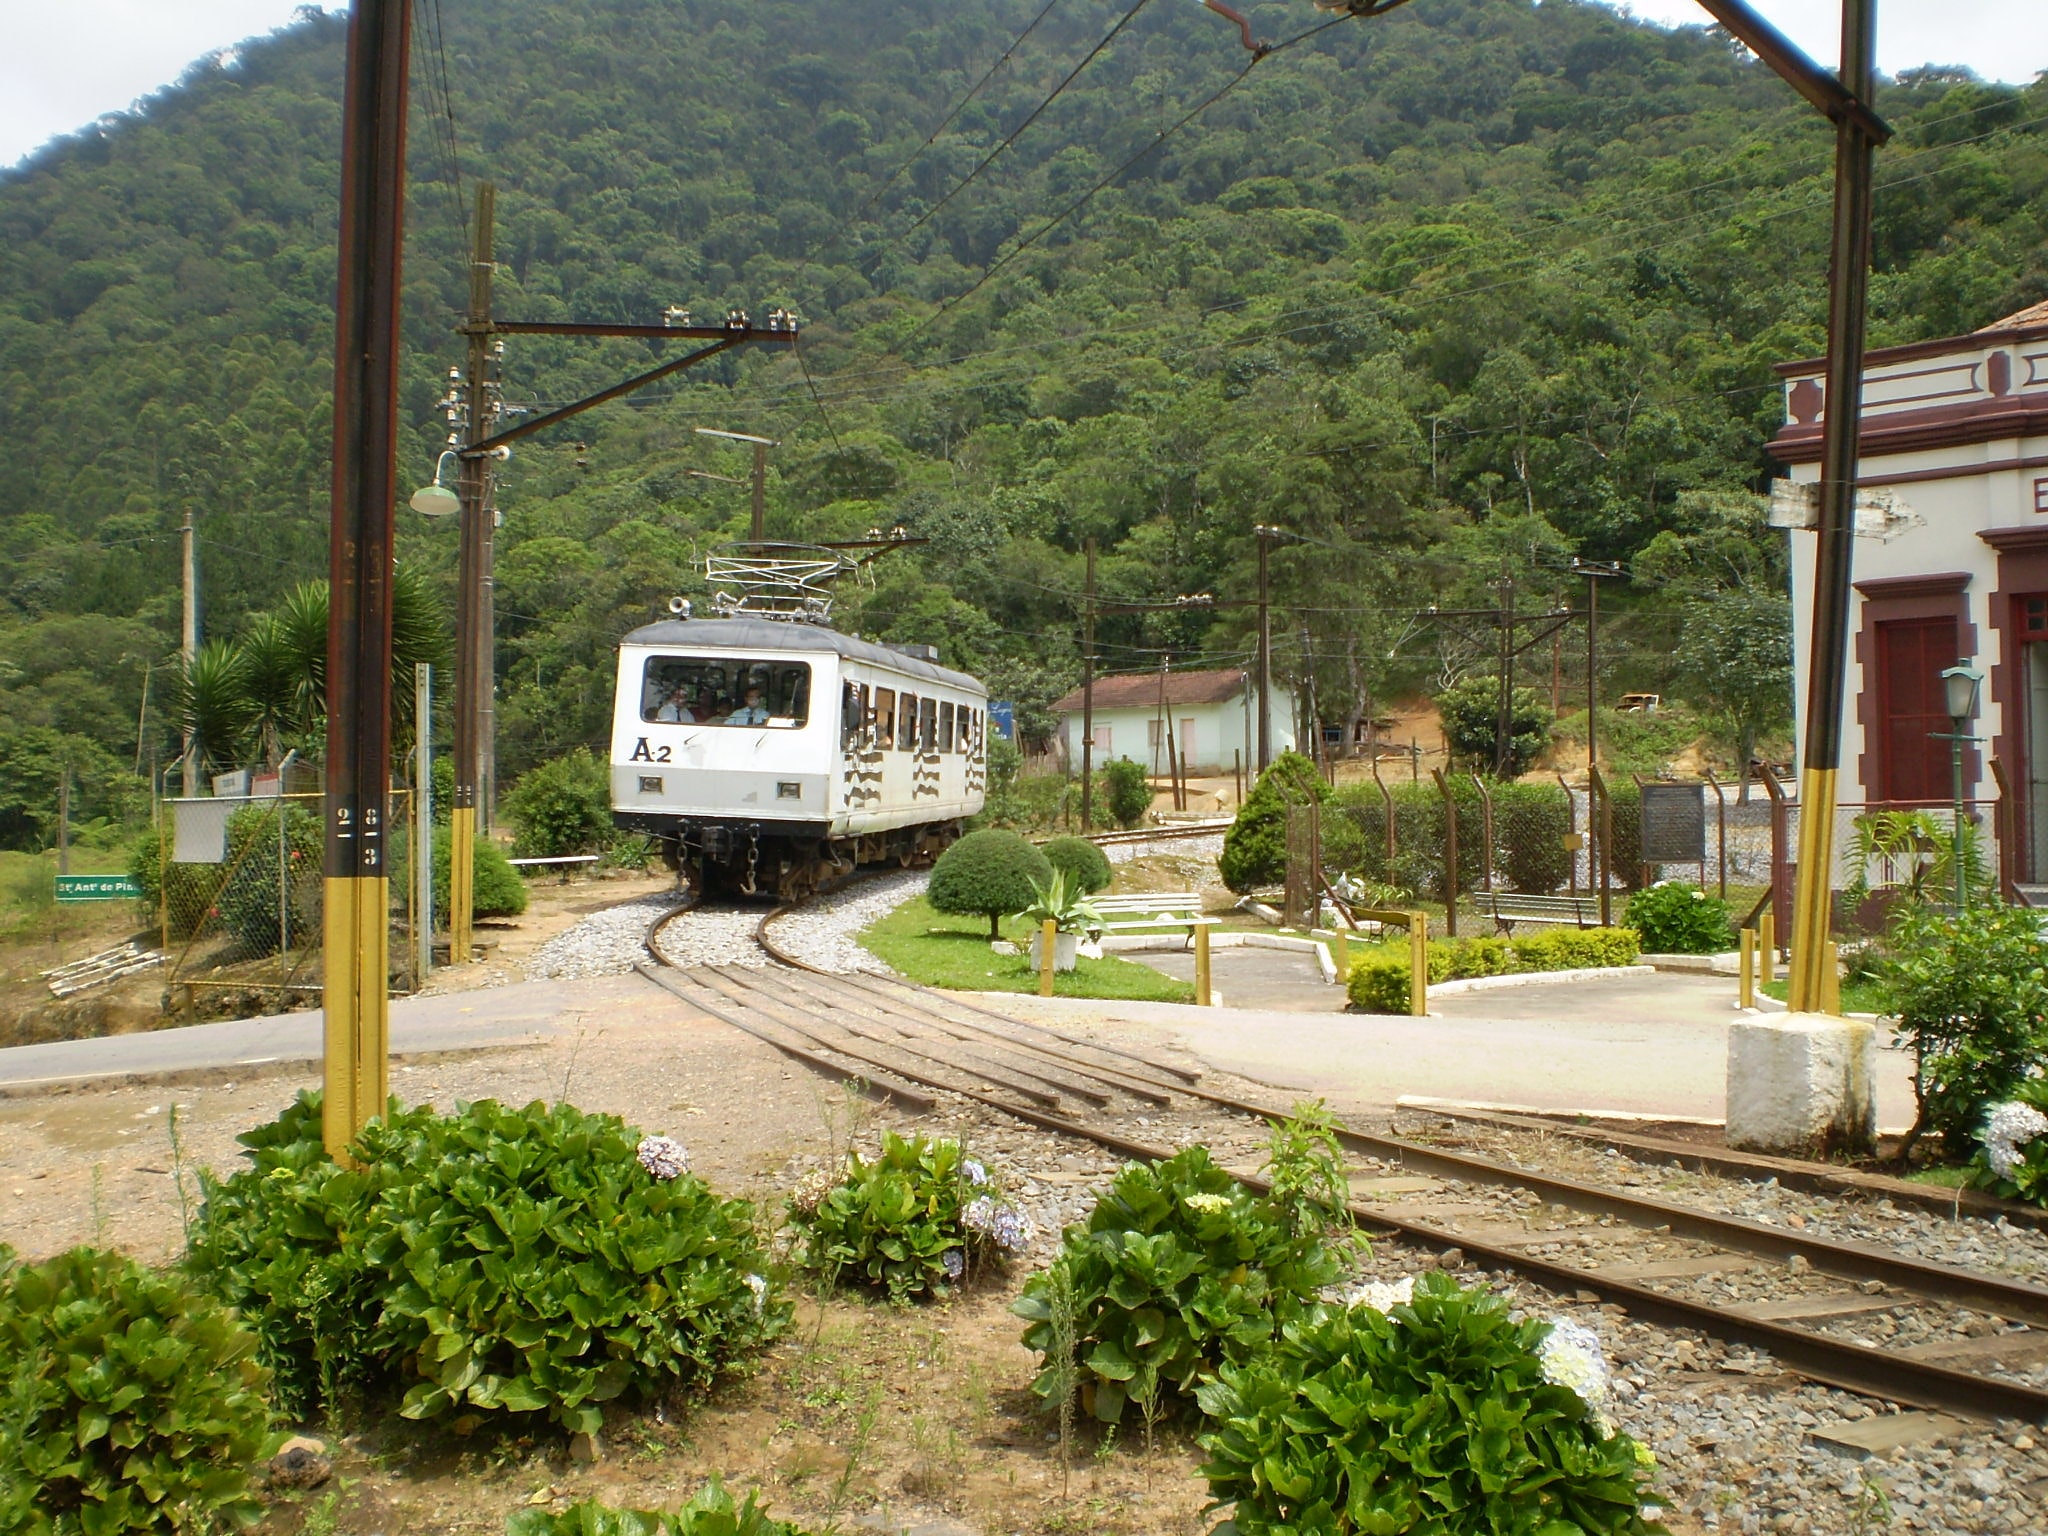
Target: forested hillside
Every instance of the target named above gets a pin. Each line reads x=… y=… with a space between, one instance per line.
x=1453 y=293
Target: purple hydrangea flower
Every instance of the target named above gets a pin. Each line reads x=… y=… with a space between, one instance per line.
x=663 y=1156
x=954 y=1262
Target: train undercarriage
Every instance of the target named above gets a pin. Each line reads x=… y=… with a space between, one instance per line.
x=753 y=859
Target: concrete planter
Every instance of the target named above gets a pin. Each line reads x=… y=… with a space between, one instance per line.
x=1065 y=950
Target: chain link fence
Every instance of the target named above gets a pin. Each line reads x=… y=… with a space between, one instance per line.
x=239 y=896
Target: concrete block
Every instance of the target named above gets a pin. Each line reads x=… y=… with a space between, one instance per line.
x=1802 y=1084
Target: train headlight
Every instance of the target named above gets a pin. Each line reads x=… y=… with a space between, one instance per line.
x=786 y=789
x=650 y=784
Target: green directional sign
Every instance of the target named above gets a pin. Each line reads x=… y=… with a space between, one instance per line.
x=97 y=888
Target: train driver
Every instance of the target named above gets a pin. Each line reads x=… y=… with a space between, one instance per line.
x=752 y=712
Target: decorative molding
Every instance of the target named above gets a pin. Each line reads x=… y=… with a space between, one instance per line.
x=2013 y=540
x=1957 y=472
x=1940 y=346
x=1941 y=426
x=1941 y=584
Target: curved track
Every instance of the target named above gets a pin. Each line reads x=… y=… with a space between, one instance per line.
x=918 y=1047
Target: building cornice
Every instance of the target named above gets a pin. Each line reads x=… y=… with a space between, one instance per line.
x=1938 y=426
x=2022 y=536
x=1912 y=351
x=1934 y=584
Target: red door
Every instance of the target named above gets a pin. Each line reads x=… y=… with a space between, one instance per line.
x=1911 y=655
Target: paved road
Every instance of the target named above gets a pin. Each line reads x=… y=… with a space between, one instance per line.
x=455 y=1021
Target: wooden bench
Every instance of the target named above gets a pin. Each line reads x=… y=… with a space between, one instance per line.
x=1509 y=908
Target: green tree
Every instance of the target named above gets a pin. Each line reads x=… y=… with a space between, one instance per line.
x=987 y=874
x=1735 y=662
x=1470 y=711
x=1255 y=847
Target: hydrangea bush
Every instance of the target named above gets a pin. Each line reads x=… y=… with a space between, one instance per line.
x=496 y=1260
x=2014 y=1159
x=912 y=1221
x=1673 y=917
x=1429 y=1411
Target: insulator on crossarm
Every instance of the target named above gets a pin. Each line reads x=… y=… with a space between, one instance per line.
x=675 y=314
x=736 y=320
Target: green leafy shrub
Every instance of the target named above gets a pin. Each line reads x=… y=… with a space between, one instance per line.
x=712 y=1512
x=1378 y=979
x=1971 y=996
x=1574 y=949
x=1481 y=956
x=563 y=806
x=248 y=902
x=491 y=1261
x=1674 y=918
x=1470 y=711
x=1529 y=826
x=1126 y=790
x=1436 y=1417
x=496 y=890
x=182 y=892
x=1085 y=865
x=129 y=1401
x=914 y=1221
x=987 y=874
x=1255 y=846
x=1625 y=862
x=1178 y=1268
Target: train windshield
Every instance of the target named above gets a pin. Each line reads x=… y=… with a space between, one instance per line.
x=725 y=690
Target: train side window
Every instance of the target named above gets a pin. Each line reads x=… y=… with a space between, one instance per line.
x=852 y=715
x=906 y=723
x=725 y=690
x=946 y=726
x=885 y=718
x=928 y=725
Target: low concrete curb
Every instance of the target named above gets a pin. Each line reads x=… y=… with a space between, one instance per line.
x=1535 y=978
x=1126 y=943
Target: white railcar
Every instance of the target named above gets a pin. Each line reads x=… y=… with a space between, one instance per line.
x=767 y=755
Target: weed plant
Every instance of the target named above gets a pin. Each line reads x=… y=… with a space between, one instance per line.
x=713 y=1512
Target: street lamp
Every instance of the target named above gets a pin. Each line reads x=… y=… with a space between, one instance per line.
x=436 y=500
x=1960 y=684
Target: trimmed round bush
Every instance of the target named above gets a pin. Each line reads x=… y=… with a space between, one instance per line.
x=987 y=874
x=1255 y=847
x=497 y=1260
x=1439 y=1416
x=564 y=806
x=1674 y=918
x=496 y=890
x=1085 y=865
x=129 y=1401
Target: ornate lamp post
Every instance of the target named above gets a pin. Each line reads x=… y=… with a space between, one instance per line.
x=1961 y=683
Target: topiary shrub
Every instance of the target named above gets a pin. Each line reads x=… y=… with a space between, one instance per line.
x=1675 y=918
x=1126 y=790
x=987 y=874
x=1575 y=949
x=564 y=806
x=497 y=890
x=1255 y=847
x=495 y=1260
x=1085 y=865
x=1481 y=956
x=914 y=1221
x=128 y=1400
x=712 y=1512
x=1443 y=1415
x=1378 y=979
x=1179 y=1268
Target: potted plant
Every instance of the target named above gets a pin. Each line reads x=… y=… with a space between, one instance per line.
x=1066 y=905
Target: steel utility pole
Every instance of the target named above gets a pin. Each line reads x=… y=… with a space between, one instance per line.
x=475 y=650
x=357 y=935
x=1265 y=536
x=1597 y=826
x=1505 y=718
x=1088 y=695
x=1848 y=284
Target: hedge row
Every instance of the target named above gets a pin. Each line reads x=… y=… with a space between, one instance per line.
x=1378 y=979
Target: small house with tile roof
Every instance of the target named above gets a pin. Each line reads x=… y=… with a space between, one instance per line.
x=1214 y=720
x=1949 y=564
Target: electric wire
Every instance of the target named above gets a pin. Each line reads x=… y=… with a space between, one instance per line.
x=435 y=75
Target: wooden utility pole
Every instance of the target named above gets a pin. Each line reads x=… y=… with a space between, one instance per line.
x=761 y=447
x=1265 y=535
x=475 y=652
x=357 y=935
x=188 y=646
x=1088 y=694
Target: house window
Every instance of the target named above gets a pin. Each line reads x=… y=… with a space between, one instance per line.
x=2041 y=495
x=1913 y=767
x=2033 y=617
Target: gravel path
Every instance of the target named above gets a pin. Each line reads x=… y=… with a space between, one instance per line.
x=822 y=933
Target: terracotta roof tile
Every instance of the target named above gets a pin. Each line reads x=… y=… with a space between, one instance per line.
x=1140 y=690
x=2033 y=314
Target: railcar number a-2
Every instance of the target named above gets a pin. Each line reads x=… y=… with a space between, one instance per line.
x=643 y=753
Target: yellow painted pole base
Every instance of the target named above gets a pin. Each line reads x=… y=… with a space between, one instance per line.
x=1202 y=987
x=1745 y=975
x=1418 y=965
x=1767 y=948
x=356 y=1000
x=1812 y=896
x=1048 y=941
x=461 y=883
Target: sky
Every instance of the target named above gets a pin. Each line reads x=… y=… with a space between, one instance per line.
x=67 y=62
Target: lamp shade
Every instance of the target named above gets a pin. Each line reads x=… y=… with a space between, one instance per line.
x=1961 y=684
x=435 y=500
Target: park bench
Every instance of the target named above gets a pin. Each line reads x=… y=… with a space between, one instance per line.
x=1154 y=910
x=564 y=861
x=1508 y=908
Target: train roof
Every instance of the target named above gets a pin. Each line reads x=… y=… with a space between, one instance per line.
x=783 y=635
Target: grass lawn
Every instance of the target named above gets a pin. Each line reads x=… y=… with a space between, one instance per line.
x=953 y=952
x=28 y=900
x=1857 y=996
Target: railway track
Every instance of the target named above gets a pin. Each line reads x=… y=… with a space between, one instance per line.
x=1811 y=1303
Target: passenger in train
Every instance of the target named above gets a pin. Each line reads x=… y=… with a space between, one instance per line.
x=752 y=712
x=675 y=709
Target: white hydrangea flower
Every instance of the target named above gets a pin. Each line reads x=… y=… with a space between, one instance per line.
x=663 y=1156
x=1380 y=1295
x=1571 y=1357
x=973 y=1171
x=758 y=1284
x=2008 y=1127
